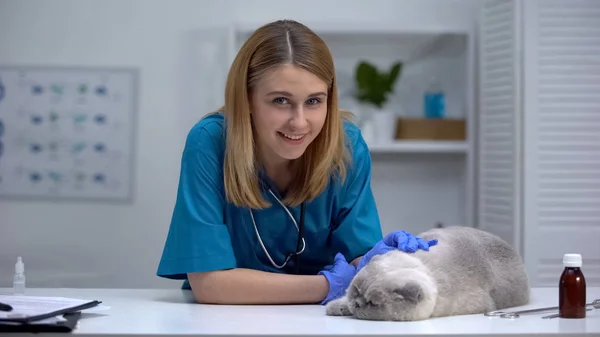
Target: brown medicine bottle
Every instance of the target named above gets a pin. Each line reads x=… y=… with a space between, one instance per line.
x=571 y=288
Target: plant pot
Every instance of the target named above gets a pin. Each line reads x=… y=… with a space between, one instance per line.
x=384 y=123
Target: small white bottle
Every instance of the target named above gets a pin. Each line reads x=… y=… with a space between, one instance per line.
x=19 y=279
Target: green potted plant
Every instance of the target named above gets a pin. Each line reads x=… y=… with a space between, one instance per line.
x=373 y=87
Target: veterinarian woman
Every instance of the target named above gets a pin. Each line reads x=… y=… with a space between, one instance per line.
x=274 y=204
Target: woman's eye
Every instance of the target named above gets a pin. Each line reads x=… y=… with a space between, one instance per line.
x=313 y=101
x=280 y=100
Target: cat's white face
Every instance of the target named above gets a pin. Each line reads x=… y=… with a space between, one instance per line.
x=392 y=287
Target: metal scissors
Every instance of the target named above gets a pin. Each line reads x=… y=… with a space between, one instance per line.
x=516 y=314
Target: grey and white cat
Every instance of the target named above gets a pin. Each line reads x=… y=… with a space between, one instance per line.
x=469 y=271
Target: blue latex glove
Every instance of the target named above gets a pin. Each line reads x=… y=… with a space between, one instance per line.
x=401 y=240
x=339 y=275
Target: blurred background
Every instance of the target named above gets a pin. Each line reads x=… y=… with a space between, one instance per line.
x=491 y=121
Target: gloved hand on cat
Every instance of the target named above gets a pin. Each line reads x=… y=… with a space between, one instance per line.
x=339 y=275
x=401 y=240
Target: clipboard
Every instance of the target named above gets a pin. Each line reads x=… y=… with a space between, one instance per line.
x=64 y=326
x=64 y=311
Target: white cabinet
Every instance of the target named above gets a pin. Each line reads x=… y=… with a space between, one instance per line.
x=539 y=131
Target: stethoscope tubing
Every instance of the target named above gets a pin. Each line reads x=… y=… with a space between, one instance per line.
x=300 y=230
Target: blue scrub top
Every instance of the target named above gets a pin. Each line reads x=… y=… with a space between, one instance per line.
x=207 y=233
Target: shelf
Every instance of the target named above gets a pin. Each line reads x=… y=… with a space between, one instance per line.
x=369 y=27
x=417 y=146
x=368 y=39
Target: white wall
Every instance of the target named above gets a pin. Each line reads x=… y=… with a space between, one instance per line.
x=107 y=245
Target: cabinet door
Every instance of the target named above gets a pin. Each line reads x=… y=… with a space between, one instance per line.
x=499 y=158
x=207 y=56
x=562 y=136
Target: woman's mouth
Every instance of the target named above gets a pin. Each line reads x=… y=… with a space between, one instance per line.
x=291 y=138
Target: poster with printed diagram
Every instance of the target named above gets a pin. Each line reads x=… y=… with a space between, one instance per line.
x=67 y=132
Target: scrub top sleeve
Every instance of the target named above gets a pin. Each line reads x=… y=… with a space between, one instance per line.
x=357 y=225
x=198 y=239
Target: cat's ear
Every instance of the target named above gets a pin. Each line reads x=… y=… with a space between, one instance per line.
x=376 y=295
x=411 y=292
x=353 y=290
x=356 y=287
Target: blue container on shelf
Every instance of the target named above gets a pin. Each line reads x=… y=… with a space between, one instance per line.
x=434 y=100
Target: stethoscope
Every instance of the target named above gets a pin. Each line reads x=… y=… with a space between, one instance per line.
x=299 y=242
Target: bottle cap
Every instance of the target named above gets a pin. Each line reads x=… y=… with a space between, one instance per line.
x=572 y=260
x=19 y=266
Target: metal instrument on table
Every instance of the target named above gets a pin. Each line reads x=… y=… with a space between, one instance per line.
x=595 y=304
x=556 y=315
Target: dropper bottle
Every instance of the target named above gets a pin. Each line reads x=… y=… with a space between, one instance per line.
x=19 y=279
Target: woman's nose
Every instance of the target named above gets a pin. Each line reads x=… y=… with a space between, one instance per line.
x=298 y=120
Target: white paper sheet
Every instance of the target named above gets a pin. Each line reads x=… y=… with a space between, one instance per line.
x=26 y=306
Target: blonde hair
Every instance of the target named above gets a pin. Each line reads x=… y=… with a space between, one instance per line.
x=274 y=44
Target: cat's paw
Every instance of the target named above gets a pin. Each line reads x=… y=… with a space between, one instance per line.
x=338 y=307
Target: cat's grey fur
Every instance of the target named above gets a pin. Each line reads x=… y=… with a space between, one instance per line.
x=469 y=271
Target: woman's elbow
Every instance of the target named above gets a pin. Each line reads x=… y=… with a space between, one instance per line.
x=205 y=298
x=207 y=287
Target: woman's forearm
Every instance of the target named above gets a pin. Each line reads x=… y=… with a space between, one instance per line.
x=247 y=286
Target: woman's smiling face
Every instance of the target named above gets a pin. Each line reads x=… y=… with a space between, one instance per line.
x=289 y=108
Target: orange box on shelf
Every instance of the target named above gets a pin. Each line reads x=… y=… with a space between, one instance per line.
x=431 y=128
